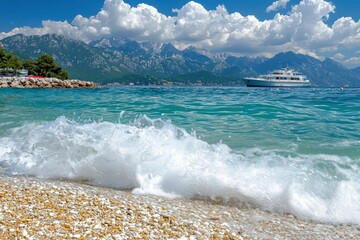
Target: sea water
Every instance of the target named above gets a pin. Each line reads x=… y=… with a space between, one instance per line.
x=287 y=150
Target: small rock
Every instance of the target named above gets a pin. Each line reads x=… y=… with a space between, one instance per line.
x=215 y=217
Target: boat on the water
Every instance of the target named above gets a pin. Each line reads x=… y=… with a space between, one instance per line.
x=279 y=78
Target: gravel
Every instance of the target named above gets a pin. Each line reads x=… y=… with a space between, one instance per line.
x=32 y=208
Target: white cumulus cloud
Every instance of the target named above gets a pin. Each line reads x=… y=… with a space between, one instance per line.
x=303 y=29
x=276 y=5
x=338 y=56
x=352 y=62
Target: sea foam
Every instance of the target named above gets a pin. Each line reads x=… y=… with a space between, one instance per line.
x=156 y=157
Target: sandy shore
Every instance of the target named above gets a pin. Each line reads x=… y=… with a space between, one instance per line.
x=38 y=209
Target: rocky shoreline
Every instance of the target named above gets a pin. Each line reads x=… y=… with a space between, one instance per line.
x=28 y=82
x=49 y=209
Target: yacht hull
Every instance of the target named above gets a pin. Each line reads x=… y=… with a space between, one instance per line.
x=254 y=82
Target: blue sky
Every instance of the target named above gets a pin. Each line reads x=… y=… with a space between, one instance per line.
x=304 y=26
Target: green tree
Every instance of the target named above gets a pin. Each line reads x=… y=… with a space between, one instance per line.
x=7 y=61
x=63 y=74
x=43 y=66
x=2 y=54
x=47 y=67
x=30 y=65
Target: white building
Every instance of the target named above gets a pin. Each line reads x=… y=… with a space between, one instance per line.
x=22 y=73
x=11 y=72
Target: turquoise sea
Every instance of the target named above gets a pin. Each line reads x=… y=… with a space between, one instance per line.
x=286 y=150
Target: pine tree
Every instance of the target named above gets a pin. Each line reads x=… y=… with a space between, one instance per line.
x=30 y=66
x=45 y=65
x=9 y=61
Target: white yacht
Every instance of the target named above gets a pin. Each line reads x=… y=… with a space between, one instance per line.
x=279 y=78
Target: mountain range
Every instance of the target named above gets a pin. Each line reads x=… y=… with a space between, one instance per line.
x=122 y=60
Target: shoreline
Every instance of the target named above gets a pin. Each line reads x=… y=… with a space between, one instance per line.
x=29 y=82
x=43 y=209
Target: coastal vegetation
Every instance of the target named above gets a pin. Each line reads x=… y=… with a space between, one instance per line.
x=8 y=62
x=44 y=65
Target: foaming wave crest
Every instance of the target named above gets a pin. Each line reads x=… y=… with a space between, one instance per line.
x=156 y=157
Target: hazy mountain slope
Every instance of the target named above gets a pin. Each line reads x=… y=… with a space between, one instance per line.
x=327 y=73
x=116 y=59
x=79 y=59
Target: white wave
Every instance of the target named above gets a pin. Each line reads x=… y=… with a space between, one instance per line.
x=344 y=143
x=156 y=157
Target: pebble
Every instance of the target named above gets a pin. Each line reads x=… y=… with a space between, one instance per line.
x=26 y=82
x=215 y=217
x=31 y=209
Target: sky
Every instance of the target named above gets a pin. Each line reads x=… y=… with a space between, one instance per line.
x=319 y=28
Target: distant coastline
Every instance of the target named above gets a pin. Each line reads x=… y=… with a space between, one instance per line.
x=32 y=82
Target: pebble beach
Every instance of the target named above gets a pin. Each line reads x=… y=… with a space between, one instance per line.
x=33 y=208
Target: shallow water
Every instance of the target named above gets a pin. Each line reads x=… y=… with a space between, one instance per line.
x=287 y=150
